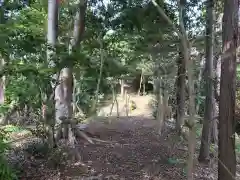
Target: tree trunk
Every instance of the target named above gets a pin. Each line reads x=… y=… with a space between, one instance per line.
x=191 y=123
x=122 y=88
x=208 y=113
x=181 y=79
x=216 y=86
x=200 y=77
x=157 y=91
x=65 y=88
x=95 y=101
x=181 y=76
x=227 y=155
x=217 y=70
x=63 y=98
x=2 y=62
x=189 y=66
x=186 y=51
x=160 y=109
x=140 y=83
x=144 y=85
x=51 y=39
x=52 y=30
x=214 y=124
x=114 y=98
x=2 y=82
x=165 y=108
x=127 y=97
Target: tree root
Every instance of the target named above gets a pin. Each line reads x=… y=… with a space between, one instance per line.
x=73 y=133
x=82 y=134
x=91 y=140
x=99 y=140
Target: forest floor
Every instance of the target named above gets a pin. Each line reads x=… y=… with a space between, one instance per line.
x=132 y=150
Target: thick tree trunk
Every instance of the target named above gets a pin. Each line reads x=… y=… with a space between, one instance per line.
x=216 y=86
x=63 y=105
x=227 y=155
x=217 y=62
x=64 y=90
x=208 y=113
x=63 y=98
x=217 y=70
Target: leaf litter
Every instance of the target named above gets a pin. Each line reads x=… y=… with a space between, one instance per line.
x=128 y=148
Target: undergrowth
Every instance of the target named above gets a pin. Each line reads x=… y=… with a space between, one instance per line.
x=6 y=172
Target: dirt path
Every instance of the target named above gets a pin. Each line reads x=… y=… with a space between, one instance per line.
x=143 y=106
x=136 y=152
x=142 y=109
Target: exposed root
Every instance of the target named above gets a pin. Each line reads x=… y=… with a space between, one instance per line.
x=82 y=134
x=99 y=140
x=91 y=140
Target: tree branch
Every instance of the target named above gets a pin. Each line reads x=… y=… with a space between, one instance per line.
x=202 y=37
x=79 y=23
x=181 y=21
x=161 y=11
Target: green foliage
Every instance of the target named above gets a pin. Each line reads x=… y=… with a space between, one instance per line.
x=24 y=37
x=135 y=39
x=237 y=144
x=238 y=72
x=128 y=42
x=11 y=129
x=5 y=171
x=199 y=130
x=4 y=108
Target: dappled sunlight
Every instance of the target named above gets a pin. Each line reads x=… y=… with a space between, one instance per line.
x=141 y=102
x=119 y=90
